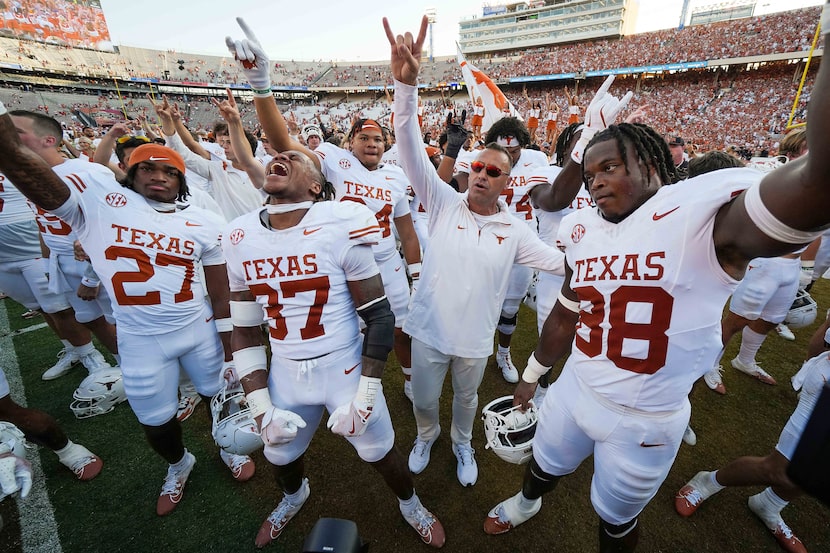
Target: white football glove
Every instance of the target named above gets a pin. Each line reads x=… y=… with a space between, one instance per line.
x=602 y=112
x=352 y=418
x=15 y=475
x=252 y=58
x=279 y=426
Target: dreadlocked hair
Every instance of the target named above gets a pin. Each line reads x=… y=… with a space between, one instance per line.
x=564 y=140
x=326 y=188
x=651 y=149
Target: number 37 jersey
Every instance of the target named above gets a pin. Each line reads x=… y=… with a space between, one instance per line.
x=145 y=259
x=299 y=274
x=651 y=292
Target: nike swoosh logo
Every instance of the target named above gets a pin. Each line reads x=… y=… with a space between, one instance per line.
x=528 y=164
x=461 y=228
x=643 y=444
x=389 y=178
x=352 y=432
x=398 y=268
x=350 y=371
x=311 y=230
x=189 y=224
x=153 y=158
x=209 y=318
x=657 y=217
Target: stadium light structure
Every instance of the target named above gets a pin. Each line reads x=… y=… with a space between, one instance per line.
x=431 y=14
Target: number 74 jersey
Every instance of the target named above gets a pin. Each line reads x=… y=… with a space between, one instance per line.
x=651 y=292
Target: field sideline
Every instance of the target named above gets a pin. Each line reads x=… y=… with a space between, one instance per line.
x=116 y=511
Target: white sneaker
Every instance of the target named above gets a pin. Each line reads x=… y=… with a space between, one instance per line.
x=279 y=517
x=507 y=515
x=419 y=456
x=508 y=369
x=785 y=332
x=407 y=389
x=187 y=405
x=754 y=370
x=714 y=379
x=689 y=436
x=65 y=362
x=467 y=470
x=94 y=361
x=173 y=489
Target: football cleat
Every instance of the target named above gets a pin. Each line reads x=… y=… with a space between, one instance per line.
x=690 y=496
x=30 y=314
x=66 y=360
x=754 y=370
x=279 y=517
x=419 y=456
x=508 y=369
x=467 y=470
x=173 y=489
x=94 y=361
x=427 y=526
x=187 y=406
x=242 y=467
x=782 y=533
x=508 y=514
x=85 y=464
x=785 y=332
x=714 y=379
x=689 y=436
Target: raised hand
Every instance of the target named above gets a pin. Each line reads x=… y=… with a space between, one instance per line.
x=600 y=113
x=405 y=57
x=227 y=108
x=252 y=58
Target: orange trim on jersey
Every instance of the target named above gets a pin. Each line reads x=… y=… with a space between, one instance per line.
x=364 y=232
x=77 y=181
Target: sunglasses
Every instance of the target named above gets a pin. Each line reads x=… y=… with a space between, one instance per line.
x=491 y=170
x=127 y=137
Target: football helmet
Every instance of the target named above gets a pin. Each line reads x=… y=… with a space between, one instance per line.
x=234 y=429
x=530 y=298
x=12 y=440
x=803 y=311
x=508 y=430
x=98 y=393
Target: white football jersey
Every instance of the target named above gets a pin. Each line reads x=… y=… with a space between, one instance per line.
x=13 y=204
x=299 y=275
x=522 y=178
x=651 y=292
x=383 y=191
x=18 y=232
x=145 y=259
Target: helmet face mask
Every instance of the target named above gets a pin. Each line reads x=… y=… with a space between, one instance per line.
x=803 y=311
x=98 y=393
x=234 y=429
x=508 y=430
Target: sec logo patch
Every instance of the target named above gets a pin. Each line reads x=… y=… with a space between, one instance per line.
x=237 y=235
x=577 y=233
x=345 y=163
x=116 y=200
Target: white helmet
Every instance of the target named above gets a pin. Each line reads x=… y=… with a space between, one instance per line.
x=234 y=429
x=508 y=430
x=98 y=393
x=803 y=311
x=12 y=440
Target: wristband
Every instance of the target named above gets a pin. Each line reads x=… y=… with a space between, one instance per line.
x=224 y=325
x=368 y=390
x=249 y=360
x=259 y=401
x=246 y=313
x=90 y=283
x=534 y=370
x=414 y=270
x=264 y=93
x=579 y=149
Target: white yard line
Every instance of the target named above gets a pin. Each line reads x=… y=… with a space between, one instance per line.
x=39 y=531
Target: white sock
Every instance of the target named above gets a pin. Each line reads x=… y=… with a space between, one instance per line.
x=85 y=349
x=407 y=372
x=61 y=453
x=182 y=463
x=504 y=350
x=67 y=346
x=296 y=497
x=117 y=358
x=770 y=507
x=712 y=485
x=409 y=505
x=750 y=344
x=526 y=504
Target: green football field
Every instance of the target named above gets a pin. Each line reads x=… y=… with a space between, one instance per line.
x=116 y=511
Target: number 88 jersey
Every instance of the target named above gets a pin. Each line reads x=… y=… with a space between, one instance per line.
x=651 y=292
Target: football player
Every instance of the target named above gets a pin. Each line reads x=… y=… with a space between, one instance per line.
x=309 y=264
x=145 y=250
